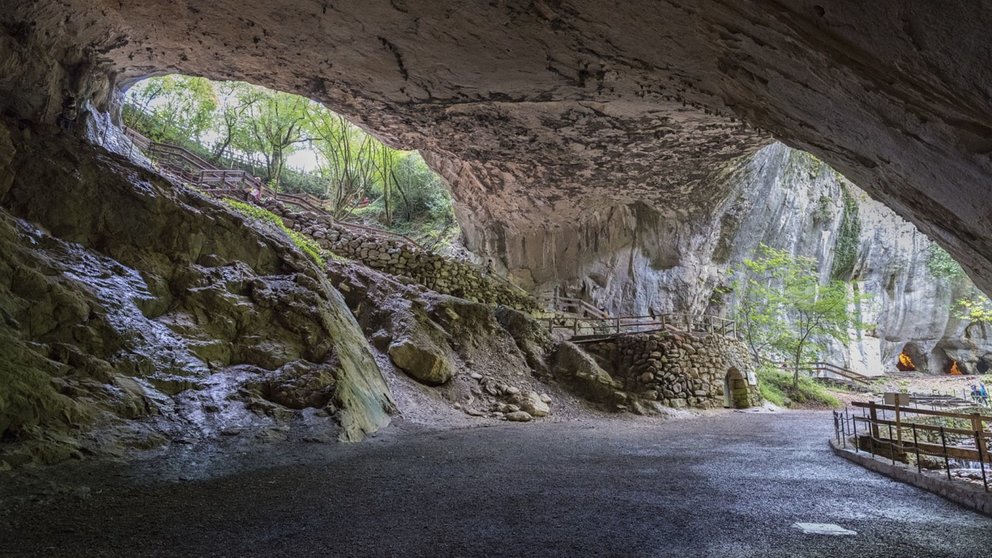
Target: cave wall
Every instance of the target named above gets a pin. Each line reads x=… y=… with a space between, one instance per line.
x=134 y=313
x=639 y=260
x=543 y=112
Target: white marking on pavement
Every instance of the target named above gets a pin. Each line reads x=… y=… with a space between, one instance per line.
x=823 y=529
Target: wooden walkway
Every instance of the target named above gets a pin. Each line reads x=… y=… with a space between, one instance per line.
x=588 y=324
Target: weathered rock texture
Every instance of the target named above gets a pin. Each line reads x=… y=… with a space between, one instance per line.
x=123 y=297
x=396 y=257
x=676 y=369
x=542 y=112
x=485 y=360
x=637 y=260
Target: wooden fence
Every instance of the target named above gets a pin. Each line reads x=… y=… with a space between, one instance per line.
x=897 y=432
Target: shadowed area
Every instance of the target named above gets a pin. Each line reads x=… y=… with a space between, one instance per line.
x=729 y=485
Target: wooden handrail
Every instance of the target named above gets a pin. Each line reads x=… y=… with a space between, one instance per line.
x=919 y=411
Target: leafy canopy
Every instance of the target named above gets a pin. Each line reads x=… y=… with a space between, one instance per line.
x=784 y=309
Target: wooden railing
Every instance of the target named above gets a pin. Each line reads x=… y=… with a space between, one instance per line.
x=589 y=329
x=895 y=432
x=822 y=369
x=576 y=306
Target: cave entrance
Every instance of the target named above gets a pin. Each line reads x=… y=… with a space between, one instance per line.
x=735 y=394
x=983 y=365
x=911 y=359
x=242 y=141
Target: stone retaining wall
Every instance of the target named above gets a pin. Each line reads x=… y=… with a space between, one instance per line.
x=679 y=369
x=396 y=257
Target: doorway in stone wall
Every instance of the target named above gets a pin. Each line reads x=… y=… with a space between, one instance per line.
x=735 y=393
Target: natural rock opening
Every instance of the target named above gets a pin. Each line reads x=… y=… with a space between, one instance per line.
x=517 y=115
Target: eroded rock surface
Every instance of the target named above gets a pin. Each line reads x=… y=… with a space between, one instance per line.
x=124 y=297
x=543 y=112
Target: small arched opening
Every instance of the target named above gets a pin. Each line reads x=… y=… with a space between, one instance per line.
x=735 y=394
x=983 y=365
x=911 y=359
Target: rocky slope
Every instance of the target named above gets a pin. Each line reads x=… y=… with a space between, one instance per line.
x=135 y=312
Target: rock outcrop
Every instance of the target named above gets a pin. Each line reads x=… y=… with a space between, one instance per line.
x=402 y=258
x=542 y=113
x=486 y=361
x=124 y=297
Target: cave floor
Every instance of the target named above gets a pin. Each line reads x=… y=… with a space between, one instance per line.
x=725 y=485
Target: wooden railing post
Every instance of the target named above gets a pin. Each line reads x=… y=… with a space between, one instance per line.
x=873 y=418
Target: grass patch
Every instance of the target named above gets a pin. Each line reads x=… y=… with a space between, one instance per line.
x=776 y=388
x=306 y=244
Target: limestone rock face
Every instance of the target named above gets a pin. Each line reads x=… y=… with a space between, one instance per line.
x=421 y=361
x=544 y=113
x=125 y=297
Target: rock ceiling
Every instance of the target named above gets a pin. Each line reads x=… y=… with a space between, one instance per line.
x=540 y=111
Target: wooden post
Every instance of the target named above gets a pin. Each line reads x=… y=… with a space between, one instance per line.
x=898 y=423
x=873 y=417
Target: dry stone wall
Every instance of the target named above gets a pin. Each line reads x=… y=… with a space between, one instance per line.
x=396 y=257
x=677 y=369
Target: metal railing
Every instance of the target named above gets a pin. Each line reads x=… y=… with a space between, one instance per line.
x=939 y=436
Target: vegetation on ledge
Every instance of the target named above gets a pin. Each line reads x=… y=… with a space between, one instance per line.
x=778 y=388
x=306 y=244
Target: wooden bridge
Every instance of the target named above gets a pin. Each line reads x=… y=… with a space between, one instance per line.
x=588 y=323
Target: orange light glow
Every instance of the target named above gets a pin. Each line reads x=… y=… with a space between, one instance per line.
x=905 y=363
x=954 y=371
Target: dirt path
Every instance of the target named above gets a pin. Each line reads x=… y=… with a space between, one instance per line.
x=724 y=485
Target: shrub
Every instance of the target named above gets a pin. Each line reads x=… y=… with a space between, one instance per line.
x=776 y=387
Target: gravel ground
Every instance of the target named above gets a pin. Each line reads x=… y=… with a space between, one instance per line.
x=725 y=485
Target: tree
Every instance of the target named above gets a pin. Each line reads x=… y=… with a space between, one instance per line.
x=977 y=310
x=230 y=121
x=275 y=129
x=181 y=107
x=785 y=309
x=348 y=155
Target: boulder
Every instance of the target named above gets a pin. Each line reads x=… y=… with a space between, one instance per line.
x=533 y=404
x=519 y=416
x=421 y=361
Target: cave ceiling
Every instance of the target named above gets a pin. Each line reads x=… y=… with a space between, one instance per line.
x=540 y=111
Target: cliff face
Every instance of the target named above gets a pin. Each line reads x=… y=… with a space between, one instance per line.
x=637 y=259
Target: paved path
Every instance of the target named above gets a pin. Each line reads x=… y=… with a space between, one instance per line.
x=729 y=485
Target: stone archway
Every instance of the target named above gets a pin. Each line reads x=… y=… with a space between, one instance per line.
x=735 y=393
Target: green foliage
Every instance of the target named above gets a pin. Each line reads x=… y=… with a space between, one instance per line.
x=779 y=388
x=785 y=310
x=256 y=130
x=941 y=265
x=977 y=310
x=172 y=108
x=848 y=240
x=306 y=244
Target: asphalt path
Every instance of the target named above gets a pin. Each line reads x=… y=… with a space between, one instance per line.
x=728 y=485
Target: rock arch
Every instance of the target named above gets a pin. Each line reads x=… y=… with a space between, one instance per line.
x=912 y=358
x=542 y=112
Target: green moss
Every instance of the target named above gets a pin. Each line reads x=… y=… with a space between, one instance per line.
x=849 y=238
x=776 y=387
x=306 y=244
